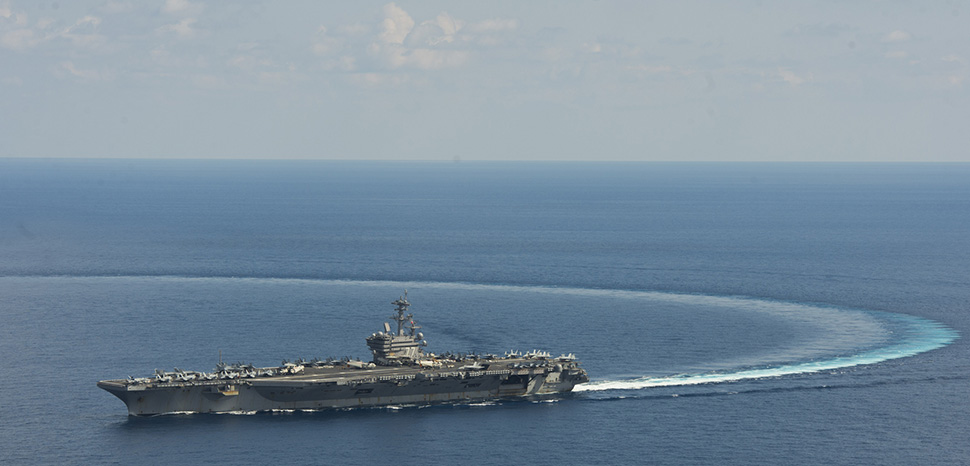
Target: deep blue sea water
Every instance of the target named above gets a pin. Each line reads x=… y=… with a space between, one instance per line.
x=727 y=313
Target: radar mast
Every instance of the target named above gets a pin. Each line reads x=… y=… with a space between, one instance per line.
x=402 y=307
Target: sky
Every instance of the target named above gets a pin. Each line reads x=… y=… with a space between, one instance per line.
x=683 y=80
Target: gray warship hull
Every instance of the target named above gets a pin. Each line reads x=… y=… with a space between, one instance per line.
x=401 y=374
x=347 y=387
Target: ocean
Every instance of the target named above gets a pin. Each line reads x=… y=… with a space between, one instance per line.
x=727 y=313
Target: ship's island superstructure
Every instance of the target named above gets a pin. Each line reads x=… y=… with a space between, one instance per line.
x=401 y=373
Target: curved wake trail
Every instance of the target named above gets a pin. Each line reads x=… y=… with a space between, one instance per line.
x=910 y=335
x=920 y=335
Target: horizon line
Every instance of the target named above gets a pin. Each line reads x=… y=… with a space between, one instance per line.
x=476 y=160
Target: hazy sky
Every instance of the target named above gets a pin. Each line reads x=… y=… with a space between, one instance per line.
x=484 y=80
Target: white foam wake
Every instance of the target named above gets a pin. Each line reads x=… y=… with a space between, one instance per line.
x=919 y=335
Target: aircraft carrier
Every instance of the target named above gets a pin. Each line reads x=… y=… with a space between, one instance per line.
x=401 y=373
